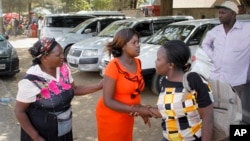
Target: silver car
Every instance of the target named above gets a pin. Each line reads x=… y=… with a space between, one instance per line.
x=85 y=30
x=86 y=55
x=55 y=25
x=191 y=32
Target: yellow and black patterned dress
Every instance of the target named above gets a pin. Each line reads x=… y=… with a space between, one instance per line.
x=180 y=119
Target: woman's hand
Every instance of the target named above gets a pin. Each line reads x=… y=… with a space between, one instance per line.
x=146 y=120
x=141 y=110
x=155 y=112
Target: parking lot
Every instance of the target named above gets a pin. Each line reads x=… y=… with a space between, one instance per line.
x=84 y=125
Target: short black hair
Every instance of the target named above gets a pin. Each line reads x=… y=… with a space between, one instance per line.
x=178 y=53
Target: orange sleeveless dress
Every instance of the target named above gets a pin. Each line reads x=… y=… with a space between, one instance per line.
x=113 y=125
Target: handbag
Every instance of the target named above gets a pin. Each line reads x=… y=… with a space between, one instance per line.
x=64 y=120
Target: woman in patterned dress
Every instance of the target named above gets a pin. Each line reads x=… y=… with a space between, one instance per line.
x=183 y=119
x=43 y=101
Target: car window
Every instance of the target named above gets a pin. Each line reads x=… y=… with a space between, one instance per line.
x=200 y=33
x=54 y=22
x=106 y=22
x=2 y=38
x=111 y=30
x=172 y=32
x=73 y=21
x=65 y=21
x=159 y=25
x=82 y=25
x=92 y=26
x=143 y=29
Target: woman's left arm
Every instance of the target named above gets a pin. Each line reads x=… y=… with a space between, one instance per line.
x=207 y=117
x=83 y=90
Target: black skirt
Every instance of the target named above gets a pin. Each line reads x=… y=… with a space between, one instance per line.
x=66 y=137
x=46 y=125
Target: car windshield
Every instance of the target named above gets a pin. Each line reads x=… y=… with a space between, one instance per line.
x=81 y=25
x=2 y=38
x=111 y=30
x=170 y=32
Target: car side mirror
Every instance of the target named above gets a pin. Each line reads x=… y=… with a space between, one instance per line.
x=88 y=30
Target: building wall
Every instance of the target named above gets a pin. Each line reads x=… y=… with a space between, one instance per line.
x=195 y=12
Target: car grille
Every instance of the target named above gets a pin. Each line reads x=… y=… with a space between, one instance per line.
x=11 y=66
x=73 y=65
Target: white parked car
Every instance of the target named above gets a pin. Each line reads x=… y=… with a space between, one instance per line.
x=84 y=30
x=85 y=55
x=191 y=32
x=55 y=25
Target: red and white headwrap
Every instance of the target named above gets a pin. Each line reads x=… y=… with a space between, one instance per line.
x=42 y=47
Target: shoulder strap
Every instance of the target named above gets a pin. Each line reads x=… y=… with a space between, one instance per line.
x=185 y=81
x=185 y=85
x=34 y=78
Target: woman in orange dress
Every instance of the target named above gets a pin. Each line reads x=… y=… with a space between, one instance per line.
x=122 y=85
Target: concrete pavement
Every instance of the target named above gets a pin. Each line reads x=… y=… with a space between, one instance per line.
x=84 y=122
x=22 y=42
x=9 y=127
x=8 y=123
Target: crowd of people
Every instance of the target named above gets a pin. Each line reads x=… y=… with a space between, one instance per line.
x=22 y=26
x=44 y=110
x=13 y=26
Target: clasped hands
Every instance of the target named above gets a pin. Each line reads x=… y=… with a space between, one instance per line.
x=145 y=112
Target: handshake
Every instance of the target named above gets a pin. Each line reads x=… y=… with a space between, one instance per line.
x=145 y=112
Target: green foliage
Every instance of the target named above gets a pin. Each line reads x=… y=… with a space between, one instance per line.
x=102 y=4
x=78 y=5
x=69 y=5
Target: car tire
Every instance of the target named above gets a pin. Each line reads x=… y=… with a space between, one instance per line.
x=156 y=83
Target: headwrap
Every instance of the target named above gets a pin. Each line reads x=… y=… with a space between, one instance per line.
x=42 y=47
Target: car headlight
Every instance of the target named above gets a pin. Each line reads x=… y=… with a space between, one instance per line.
x=14 y=53
x=90 y=52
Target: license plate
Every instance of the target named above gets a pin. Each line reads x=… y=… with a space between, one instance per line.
x=72 y=61
x=2 y=66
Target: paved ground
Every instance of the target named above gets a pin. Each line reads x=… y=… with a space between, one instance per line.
x=84 y=127
x=9 y=127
